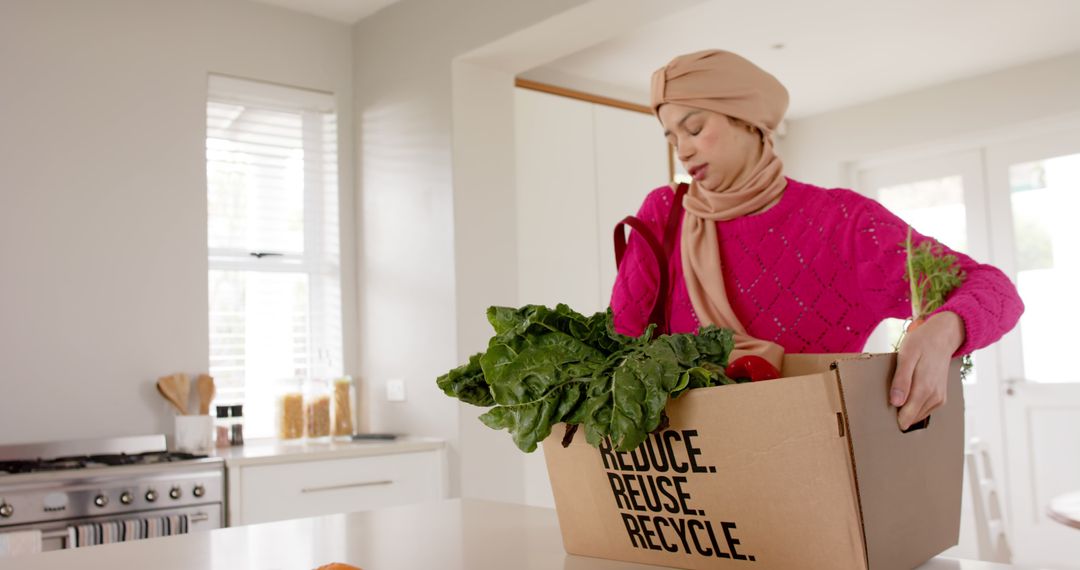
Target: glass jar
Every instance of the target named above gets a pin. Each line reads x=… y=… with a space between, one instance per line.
x=221 y=427
x=317 y=409
x=344 y=404
x=236 y=430
x=290 y=409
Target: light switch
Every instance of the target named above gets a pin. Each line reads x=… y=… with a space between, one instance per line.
x=395 y=390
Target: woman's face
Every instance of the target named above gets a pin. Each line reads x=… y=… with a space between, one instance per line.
x=716 y=150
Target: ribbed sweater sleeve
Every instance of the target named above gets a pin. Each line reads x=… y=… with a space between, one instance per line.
x=987 y=301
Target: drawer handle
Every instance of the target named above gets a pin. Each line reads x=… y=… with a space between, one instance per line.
x=346 y=486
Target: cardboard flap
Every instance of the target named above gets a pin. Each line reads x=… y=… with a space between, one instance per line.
x=802 y=364
x=909 y=484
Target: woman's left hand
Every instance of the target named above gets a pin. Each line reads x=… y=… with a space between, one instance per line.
x=920 y=384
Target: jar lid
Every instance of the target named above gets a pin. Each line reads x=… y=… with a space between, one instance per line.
x=238 y=411
x=222 y=411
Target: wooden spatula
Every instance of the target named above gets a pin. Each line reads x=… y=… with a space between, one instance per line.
x=204 y=386
x=168 y=387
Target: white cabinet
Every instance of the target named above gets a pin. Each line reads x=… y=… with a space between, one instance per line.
x=581 y=167
x=631 y=160
x=337 y=478
x=556 y=201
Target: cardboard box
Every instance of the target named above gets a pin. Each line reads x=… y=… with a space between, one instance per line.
x=809 y=471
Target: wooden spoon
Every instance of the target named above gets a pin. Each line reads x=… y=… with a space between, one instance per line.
x=204 y=386
x=166 y=386
x=183 y=391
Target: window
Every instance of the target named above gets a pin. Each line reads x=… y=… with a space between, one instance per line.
x=272 y=242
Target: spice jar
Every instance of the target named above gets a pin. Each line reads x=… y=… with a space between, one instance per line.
x=344 y=403
x=221 y=426
x=290 y=408
x=317 y=409
x=236 y=430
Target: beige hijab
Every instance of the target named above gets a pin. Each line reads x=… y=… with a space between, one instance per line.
x=723 y=82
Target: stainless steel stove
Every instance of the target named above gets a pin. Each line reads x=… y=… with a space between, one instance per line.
x=88 y=492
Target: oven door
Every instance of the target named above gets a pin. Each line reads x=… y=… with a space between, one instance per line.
x=54 y=534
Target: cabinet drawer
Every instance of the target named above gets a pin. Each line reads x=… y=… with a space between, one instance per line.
x=312 y=488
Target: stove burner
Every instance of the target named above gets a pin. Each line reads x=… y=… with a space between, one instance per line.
x=32 y=465
x=83 y=461
x=142 y=458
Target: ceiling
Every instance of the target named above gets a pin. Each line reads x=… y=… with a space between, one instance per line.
x=345 y=11
x=829 y=53
x=837 y=53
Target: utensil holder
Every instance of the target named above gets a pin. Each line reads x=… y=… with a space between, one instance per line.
x=194 y=434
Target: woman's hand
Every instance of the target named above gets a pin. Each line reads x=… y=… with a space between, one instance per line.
x=922 y=369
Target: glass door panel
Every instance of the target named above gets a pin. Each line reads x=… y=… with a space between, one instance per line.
x=934 y=207
x=1044 y=196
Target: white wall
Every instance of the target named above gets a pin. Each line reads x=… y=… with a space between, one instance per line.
x=103 y=196
x=409 y=283
x=818 y=148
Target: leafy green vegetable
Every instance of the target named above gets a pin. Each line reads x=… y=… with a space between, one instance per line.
x=467 y=383
x=546 y=366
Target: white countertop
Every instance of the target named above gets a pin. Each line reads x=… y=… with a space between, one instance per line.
x=267 y=451
x=449 y=535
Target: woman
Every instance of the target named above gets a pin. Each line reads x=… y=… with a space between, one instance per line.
x=788 y=266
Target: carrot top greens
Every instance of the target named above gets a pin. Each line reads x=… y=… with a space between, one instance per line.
x=932 y=275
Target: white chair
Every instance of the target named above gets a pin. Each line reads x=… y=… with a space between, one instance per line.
x=990 y=529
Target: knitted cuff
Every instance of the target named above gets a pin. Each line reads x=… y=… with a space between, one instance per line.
x=972 y=331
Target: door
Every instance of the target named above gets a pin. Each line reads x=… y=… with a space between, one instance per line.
x=1034 y=190
x=1011 y=204
x=945 y=197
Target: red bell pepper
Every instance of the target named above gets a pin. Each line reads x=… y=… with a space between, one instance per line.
x=752 y=368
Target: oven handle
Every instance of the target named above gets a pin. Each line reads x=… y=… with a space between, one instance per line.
x=54 y=534
x=63 y=533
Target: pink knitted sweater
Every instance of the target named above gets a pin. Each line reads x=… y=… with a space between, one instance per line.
x=816 y=272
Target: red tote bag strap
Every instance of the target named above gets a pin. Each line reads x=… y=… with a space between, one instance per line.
x=674 y=217
x=661 y=251
x=657 y=313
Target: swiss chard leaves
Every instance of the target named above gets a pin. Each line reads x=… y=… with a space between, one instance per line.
x=547 y=366
x=467 y=384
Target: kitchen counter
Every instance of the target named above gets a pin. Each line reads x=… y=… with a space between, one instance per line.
x=275 y=451
x=449 y=535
